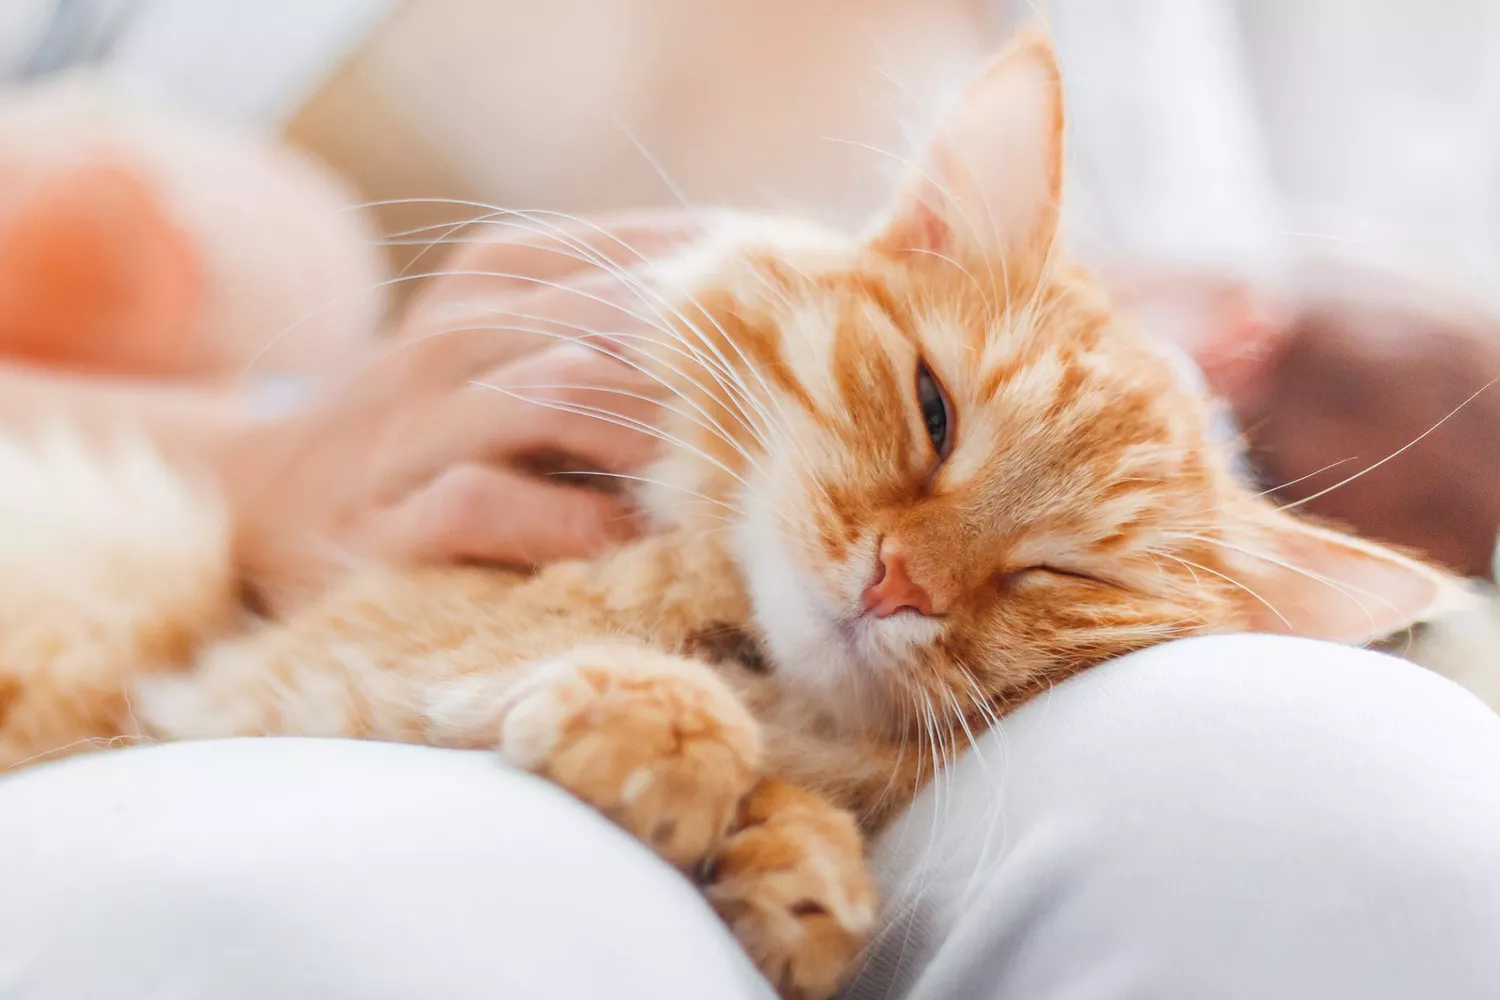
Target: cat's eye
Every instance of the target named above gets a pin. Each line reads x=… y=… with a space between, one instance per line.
x=1017 y=575
x=937 y=415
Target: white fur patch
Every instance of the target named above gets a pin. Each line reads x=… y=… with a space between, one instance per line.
x=536 y=714
x=637 y=783
x=100 y=549
x=817 y=641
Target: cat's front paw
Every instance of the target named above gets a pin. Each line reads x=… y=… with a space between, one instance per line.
x=656 y=742
x=792 y=884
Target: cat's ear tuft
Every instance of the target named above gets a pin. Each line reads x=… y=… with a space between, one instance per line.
x=1314 y=582
x=991 y=181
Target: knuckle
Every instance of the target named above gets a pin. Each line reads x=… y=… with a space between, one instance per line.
x=462 y=497
x=590 y=517
x=576 y=362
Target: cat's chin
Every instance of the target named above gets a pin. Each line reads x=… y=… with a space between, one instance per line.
x=845 y=661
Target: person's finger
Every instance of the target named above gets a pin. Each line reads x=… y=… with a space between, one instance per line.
x=476 y=512
x=549 y=246
x=513 y=251
x=569 y=402
x=465 y=337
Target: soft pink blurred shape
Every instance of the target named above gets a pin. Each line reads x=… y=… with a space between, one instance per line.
x=287 y=278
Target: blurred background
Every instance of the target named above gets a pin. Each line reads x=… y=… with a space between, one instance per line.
x=1304 y=193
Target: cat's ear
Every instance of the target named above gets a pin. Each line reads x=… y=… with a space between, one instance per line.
x=990 y=182
x=1311 y=581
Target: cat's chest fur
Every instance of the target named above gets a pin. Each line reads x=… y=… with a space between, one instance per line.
x=673 y=592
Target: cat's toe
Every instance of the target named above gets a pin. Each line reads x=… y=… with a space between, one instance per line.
x=657 y=743
x=793 y=885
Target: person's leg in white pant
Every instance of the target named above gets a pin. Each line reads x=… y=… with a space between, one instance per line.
x=1241 y=818
x=336 y=870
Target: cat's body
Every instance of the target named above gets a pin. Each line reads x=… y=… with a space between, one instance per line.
x=915 y=478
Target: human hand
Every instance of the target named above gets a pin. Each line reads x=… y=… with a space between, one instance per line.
x=438 y=448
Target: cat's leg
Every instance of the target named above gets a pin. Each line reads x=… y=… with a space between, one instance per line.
x=792 y=882
x=659 y=743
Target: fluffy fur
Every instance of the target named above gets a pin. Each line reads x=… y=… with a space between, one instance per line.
x=718 y=687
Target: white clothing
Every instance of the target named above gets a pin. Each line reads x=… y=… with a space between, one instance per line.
x=1235 y=817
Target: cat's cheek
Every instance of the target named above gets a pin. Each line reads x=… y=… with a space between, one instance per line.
x=797 y=622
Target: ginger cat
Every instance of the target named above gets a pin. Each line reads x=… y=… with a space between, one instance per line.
x=919 y=475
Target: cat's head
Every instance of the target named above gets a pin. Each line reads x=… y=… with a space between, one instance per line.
x=952 y=471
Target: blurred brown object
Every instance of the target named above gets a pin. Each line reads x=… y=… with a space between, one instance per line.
x=1359 y=377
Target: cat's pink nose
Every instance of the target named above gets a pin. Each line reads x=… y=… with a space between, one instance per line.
x=893 y=589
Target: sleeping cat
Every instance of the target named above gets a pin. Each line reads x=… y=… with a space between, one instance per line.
x=917 y=477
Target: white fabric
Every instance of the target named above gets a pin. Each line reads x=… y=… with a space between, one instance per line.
x=1247 y=135
x=1238 y=818
x=332 y=870
x=253 y=63
x=1243 y=817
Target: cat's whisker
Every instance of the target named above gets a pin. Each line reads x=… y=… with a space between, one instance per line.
x=646 y=480
x=913 y=889
x=945 y=191
x=984 y=293
x=961 y=716
x=452 y=229
x=1230 y=580
x=1341 y=587
x=619 y=420
x=976 y=237
x=1395 y=454
x=746 y=395
x=401 y=279
x=657 y=167
x=873 y=809
x=409 y=240
x=591 y=254
x=731 y=381
x=503 y=218
x=1192 y=572
x=93 y=742
x=728 y=369
x=1035 y=319
x=527 y=279
x=629 y=279
x=981 y=700
x=735 y=411
x=627 y=394
x=735 y=383
x=1299 y=479
x=587 y=338
x=994 y=783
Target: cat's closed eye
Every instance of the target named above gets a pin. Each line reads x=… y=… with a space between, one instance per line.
x=1043 y=572
x=937 y=412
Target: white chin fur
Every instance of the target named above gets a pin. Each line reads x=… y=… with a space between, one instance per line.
x=841 y=666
